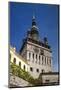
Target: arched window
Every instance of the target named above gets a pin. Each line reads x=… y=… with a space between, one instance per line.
x=36 y=56
x=24 y=67
x=39 y=57
x=37 y=70
x=33 y=55
x=20 y=64
x=31 y=69
x=14 y=61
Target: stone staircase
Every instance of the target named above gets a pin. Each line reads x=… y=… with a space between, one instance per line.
x=18 y=82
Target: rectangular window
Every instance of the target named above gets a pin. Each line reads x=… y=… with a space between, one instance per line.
x=45 y=60
x=33 y=55
x=36 y=58
x=50 y=62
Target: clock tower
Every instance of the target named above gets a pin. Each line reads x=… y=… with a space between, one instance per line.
x=37 y=53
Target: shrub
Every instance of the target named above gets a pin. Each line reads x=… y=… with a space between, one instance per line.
x=17 y=71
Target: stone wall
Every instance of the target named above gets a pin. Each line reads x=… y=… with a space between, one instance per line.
x=18 y=82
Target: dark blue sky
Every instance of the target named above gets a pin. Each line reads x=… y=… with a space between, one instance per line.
x=47 y=22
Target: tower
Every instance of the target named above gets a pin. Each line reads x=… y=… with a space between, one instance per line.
x=33 y=33
x=37 y=53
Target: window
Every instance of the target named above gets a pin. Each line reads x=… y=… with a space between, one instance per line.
x=37 y=70
x=50 y=61
x=39 y=57
x=31 y=69
x=24 y=67
x=33 y=55
x=20 y=64
x=43 y=71
x=14 y=61
x=45 y=60
x=36 y=56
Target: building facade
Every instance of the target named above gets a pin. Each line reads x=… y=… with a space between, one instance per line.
x=17 y=59
x=37 y=52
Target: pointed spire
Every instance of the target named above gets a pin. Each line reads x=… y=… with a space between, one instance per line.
x=33 y=20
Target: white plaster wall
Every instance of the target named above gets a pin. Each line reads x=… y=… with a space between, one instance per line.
x=35 y=66
x=32 y=63
x=13 y=55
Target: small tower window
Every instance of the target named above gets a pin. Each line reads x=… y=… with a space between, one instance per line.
x=45 y=60
x=37 y=70
x=31 y=69
x=39 y=57
x=50 y=62
x=33 y=55
x=14 y=61
x=36 y=56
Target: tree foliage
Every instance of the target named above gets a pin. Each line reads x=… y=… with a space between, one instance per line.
x=17 y=71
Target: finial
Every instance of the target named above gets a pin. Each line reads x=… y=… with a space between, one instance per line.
x=33 y=15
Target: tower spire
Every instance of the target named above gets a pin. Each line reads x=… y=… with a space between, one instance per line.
x=33 y=20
